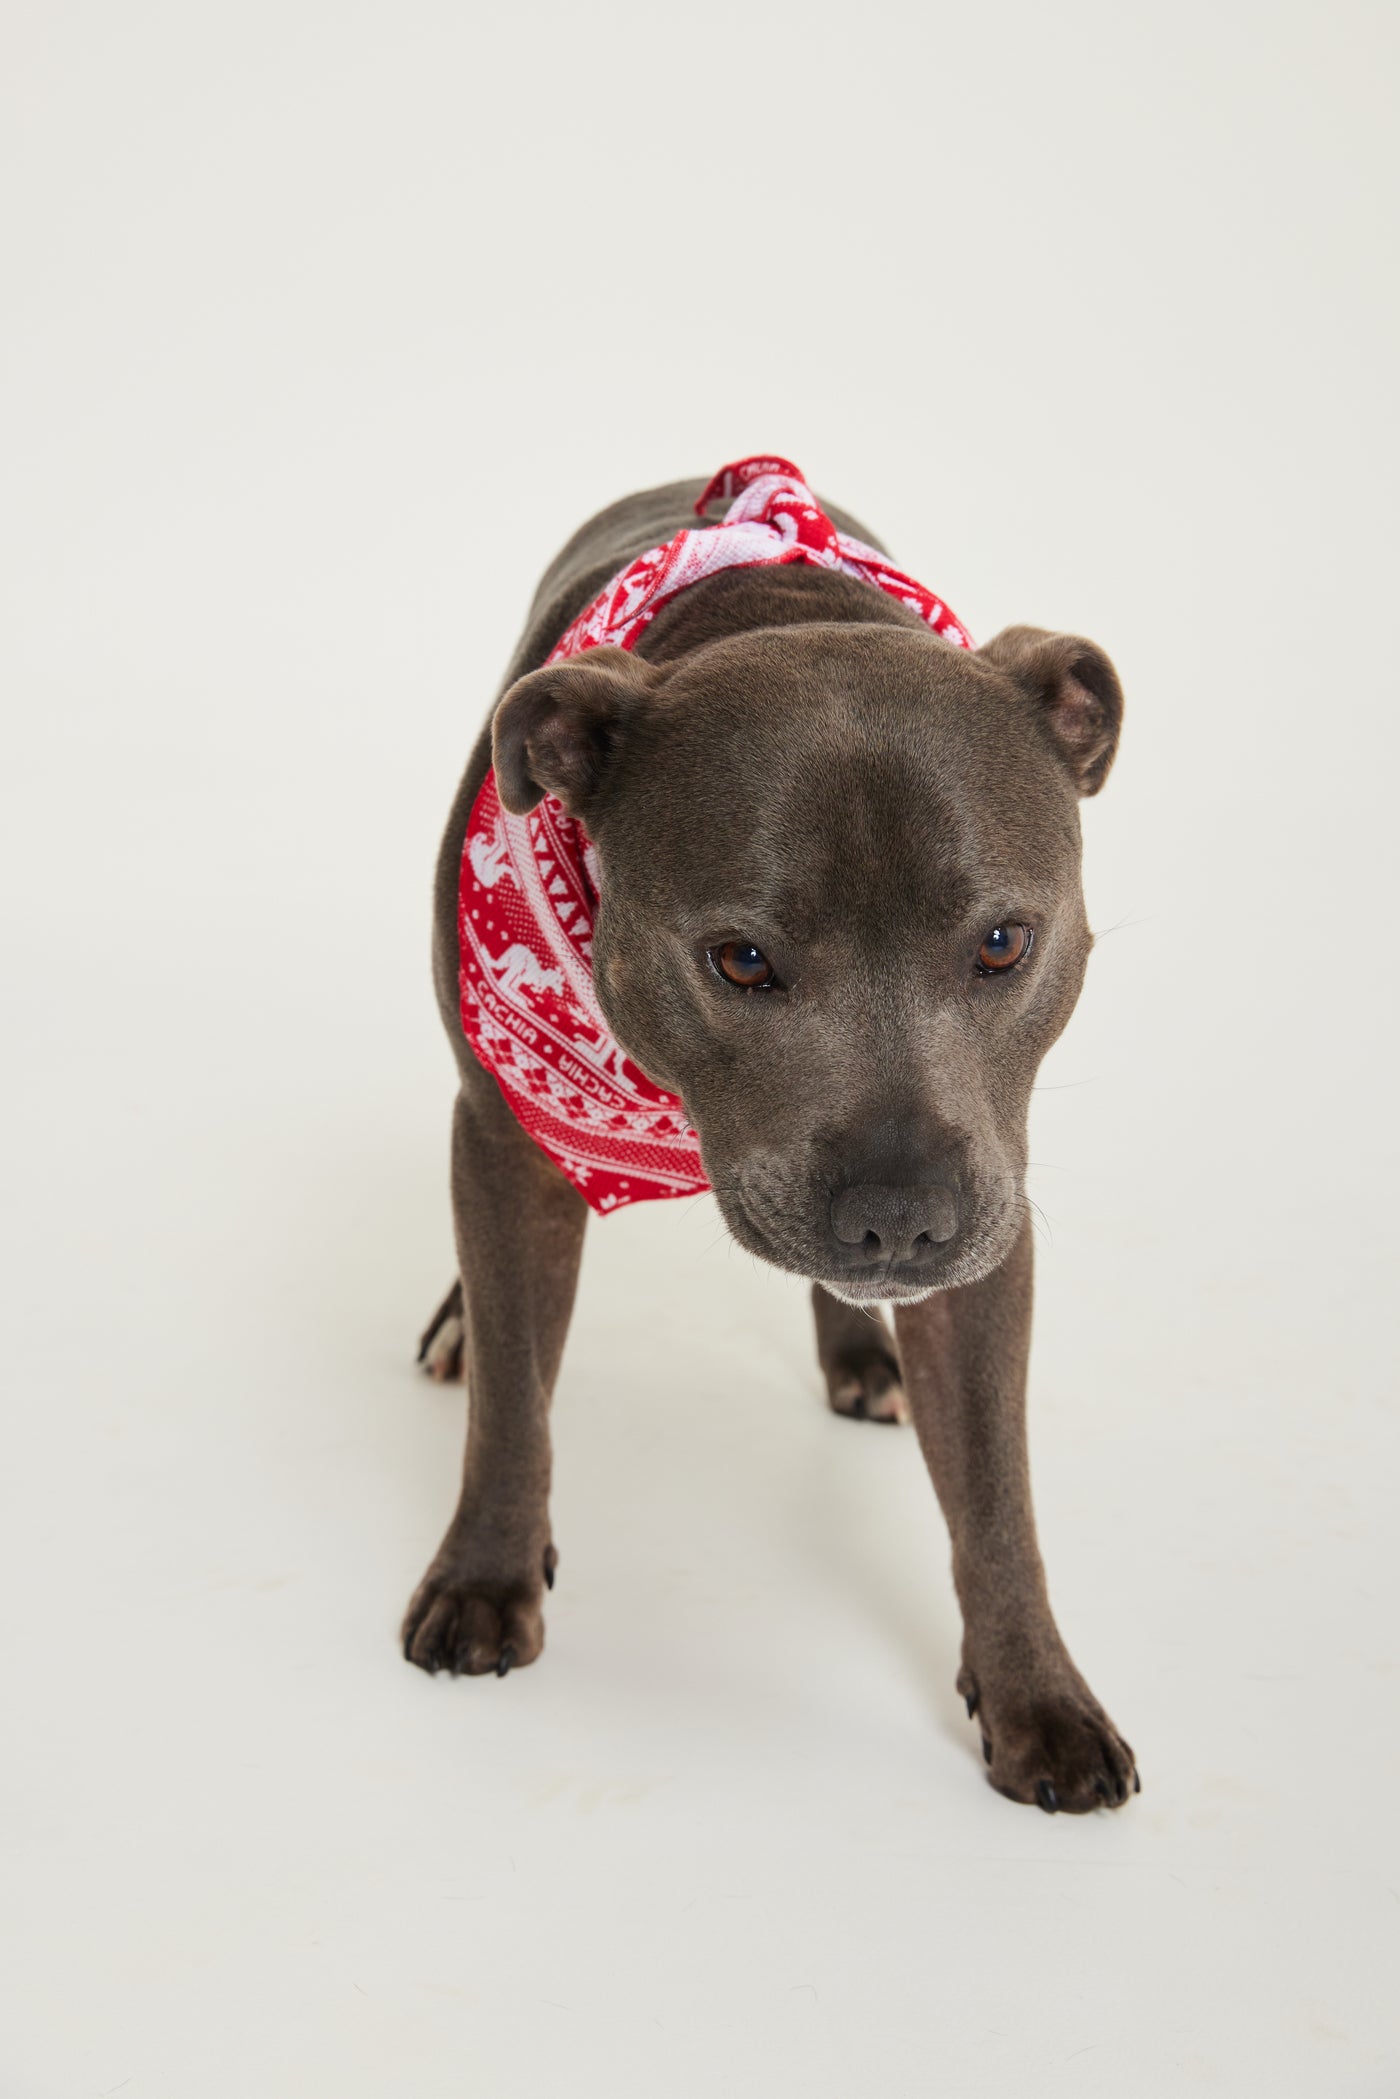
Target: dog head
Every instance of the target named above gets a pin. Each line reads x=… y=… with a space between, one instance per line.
x=841 y=916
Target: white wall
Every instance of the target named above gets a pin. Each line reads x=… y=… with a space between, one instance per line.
x=323 y=326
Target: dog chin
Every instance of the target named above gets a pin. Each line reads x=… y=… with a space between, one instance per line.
x=877 y=1292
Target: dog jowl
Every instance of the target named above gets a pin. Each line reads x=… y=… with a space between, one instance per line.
x=761 y=876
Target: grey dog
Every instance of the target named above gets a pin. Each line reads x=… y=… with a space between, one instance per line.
x=842 y=918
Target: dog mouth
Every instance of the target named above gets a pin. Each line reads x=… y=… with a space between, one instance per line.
x=775 y=1233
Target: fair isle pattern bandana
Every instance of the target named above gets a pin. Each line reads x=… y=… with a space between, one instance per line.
x=529 y=885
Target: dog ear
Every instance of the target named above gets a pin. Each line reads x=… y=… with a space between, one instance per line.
x=556 y=730
x=1077 y=690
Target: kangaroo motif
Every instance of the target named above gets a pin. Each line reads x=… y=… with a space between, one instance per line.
x=490 y=857
x=518 y=969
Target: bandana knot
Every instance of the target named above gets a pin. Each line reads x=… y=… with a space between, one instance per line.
x=772 y=492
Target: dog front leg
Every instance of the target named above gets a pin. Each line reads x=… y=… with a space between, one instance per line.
x=1045 y=1736
x=519 y=1227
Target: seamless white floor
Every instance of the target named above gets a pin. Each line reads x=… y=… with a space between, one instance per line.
x=325 y=329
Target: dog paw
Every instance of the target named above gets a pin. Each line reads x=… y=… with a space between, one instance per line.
x=473 y=1627
x=1059 y=1752
x=440 y=1348
x=864 y=1384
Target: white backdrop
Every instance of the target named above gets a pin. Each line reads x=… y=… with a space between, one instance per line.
x=324 y=326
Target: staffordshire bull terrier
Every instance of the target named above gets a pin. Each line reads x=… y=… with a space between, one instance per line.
x=762 y=877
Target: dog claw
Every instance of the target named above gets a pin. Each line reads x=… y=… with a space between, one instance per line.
x=1047 y=1797
x=410 y=1629
x=986 y=1749
x=507 y=1656
x=970 y=1699
x=551 y=1561
x=1137 y=1782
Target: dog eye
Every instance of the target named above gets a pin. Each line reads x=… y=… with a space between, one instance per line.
x=739 y=962
x=1002 y=949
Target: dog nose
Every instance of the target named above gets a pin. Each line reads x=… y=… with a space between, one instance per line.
x=894 y=1224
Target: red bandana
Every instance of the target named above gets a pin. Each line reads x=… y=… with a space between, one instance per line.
x=529 y=887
